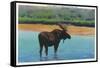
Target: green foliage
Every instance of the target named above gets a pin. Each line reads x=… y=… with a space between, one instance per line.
x=38 y=20
x=51 y=15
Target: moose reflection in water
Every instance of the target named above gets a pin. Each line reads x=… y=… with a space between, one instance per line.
x=53 y=38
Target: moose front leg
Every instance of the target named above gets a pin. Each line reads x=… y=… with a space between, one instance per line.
x=55 y=50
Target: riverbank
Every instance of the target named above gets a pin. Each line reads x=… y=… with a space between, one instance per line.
x=74 y=30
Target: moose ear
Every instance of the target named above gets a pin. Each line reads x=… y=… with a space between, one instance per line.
x=62 y=27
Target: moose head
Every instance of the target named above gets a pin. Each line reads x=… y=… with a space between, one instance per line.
x=64 y=34
x=53 y=38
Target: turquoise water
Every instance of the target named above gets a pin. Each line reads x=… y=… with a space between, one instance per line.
x=78 y=47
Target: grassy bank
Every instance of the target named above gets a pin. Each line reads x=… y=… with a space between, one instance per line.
x=23 y=20
x=74 y=30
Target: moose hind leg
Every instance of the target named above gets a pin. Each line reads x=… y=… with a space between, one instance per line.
x=41 y=48
x=46 y=51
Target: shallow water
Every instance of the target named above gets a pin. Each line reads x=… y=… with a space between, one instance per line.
x=78 y=47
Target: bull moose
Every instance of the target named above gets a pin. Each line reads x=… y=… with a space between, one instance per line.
x=53 y=38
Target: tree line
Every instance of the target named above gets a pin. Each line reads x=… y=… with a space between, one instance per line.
x=54 y=15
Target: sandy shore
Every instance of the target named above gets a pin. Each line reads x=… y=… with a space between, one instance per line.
x=74 y=30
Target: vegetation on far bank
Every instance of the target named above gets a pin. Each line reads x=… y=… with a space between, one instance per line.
x=55 y=21
x=54 y=15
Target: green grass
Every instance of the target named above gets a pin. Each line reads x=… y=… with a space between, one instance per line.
x=54 y=21
x=38 y=20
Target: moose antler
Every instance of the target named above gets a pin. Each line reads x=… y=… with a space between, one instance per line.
x=62 y=27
